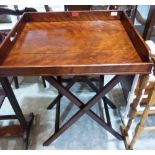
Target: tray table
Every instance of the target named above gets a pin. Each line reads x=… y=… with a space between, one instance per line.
x=78 y=44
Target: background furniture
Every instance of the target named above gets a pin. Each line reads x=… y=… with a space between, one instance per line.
x=21 y=130
x=141 y=99
x=149 y=31
x=144 y=20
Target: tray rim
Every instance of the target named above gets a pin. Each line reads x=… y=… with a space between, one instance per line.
x=147 y=63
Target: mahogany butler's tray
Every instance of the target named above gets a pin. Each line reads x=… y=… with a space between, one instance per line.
x=74 y=43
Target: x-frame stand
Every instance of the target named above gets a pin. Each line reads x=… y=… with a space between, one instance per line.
x=84 y=108
x=25 y=124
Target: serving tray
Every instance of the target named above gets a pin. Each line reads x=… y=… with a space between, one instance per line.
x=74 y=43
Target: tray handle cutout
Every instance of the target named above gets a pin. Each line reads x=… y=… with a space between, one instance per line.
x=13 y=37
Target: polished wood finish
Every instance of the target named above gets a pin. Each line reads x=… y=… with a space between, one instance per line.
x=70 y=16
x=136 y=39
x=17 y=12
x=6 y=45
x=60 y=43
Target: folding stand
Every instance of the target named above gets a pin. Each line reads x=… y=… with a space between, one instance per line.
x=85 y=79
x=15 y=130
x=84 y=108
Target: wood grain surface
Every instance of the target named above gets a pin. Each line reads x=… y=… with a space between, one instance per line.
x=96 y=43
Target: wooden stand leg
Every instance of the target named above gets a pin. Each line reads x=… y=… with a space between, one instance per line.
x=84 y=108
x=69 y=85
x=57 y=119
x=13 y=101
x=105 y=101
x=101 y=81
x=44 y=82
x=101 y=111
x=15 y=79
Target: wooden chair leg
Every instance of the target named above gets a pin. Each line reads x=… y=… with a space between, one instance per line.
x=130 y=99
x=140 y=126
x=133 y=110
